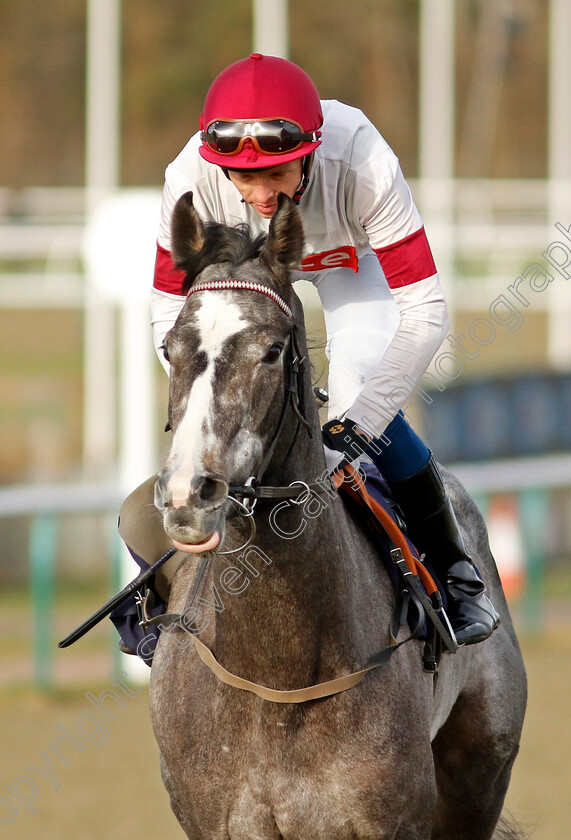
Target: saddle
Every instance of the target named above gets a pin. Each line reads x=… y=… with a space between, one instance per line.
x=420 y=598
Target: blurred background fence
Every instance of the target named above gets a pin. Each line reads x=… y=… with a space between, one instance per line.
x=96 y=97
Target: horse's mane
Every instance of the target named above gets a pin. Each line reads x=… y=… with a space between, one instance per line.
x=222 y=244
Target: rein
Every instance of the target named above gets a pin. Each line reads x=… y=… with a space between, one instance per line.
x=254 y=491
x=404 y=561
x=410 y=589
x=299 y=491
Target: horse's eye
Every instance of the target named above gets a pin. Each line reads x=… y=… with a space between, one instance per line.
x=273 y=353
x=163 y=347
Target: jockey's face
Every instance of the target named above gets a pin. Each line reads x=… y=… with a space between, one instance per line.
x=260 y=187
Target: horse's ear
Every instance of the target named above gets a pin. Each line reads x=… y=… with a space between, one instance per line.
x=187 y=233
x=283 y=248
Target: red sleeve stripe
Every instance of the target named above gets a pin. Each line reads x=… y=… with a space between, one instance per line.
x=407 y=261
x=167 y=278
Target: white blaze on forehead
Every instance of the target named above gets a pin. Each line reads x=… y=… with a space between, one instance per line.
x=217 y=320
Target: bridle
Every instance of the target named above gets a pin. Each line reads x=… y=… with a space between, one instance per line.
x=243 y=284
x=254 y=490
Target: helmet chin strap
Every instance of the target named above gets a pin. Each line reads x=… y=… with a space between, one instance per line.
x=307 y=161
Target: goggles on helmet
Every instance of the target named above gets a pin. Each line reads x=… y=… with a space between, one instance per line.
x=269 y=137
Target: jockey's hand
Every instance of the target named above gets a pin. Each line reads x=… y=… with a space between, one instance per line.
x=343 y=442
x=345 y=436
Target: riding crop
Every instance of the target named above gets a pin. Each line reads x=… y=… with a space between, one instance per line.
x=114 y=602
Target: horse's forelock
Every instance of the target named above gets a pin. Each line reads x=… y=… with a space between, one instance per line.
x=223 y=244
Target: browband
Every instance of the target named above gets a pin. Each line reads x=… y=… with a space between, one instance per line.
x=243 y=284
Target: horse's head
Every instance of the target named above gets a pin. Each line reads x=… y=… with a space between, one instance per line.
x=228 y=351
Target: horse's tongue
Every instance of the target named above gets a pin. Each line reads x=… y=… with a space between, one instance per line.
x=199 y=548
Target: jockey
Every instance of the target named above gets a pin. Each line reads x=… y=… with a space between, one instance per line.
x=263 y=131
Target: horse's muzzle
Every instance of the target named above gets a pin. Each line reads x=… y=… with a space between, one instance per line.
x=192 y=511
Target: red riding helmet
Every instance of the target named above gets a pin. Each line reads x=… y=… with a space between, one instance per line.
x=260 y=112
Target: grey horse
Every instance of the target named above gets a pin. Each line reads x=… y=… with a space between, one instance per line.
x=401 y=755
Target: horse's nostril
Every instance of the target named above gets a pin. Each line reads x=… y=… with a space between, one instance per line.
x=208 y=489
x=211 y=490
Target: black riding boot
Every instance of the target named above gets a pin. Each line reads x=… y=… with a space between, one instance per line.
x=433 y=528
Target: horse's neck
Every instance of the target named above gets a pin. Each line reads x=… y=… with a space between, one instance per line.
x=303 y=460
x=290 y=599
x=293 y=604
x=281 y=611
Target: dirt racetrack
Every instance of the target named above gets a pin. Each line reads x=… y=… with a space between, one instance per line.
x=110 y=788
